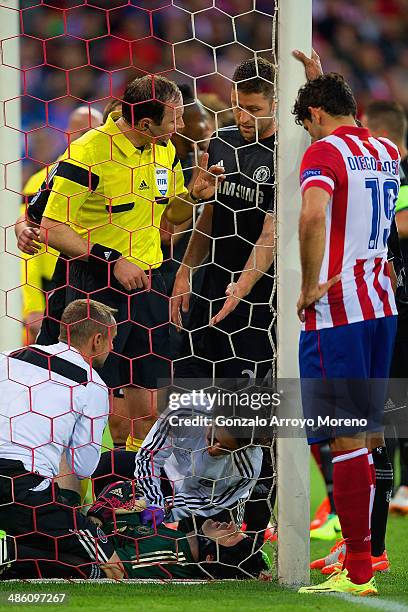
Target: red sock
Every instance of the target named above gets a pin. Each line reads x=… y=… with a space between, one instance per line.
x=353 y=491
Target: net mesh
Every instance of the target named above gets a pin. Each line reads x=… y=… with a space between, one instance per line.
x=74 y=54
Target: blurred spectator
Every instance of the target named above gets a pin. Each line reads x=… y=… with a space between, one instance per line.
x=365 y=41
x=88 y=53
x=190 y=143
x=220 y=115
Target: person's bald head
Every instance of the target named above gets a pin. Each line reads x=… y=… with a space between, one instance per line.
x=196 y=125
x=83 y=119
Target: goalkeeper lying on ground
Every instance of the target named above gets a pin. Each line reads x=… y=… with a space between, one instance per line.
x=148 y=549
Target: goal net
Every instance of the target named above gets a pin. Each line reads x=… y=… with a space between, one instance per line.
x=186 y=470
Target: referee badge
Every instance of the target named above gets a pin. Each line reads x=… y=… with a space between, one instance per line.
x=162 y=180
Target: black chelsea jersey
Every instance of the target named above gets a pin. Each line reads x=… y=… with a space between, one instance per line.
x=239 y=208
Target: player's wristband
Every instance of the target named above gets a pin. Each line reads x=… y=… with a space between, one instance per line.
x=195 y=200
x=100 y=258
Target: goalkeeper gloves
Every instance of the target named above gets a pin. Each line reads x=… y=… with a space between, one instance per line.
x=153 y=515
x=124 y=497
x=119 y=497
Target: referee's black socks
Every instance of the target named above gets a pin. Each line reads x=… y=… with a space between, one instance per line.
x=383 y=492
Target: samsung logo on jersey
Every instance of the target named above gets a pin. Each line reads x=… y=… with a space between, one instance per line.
x=365 y=162
x=236 y=190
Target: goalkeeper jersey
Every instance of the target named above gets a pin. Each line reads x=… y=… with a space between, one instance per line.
x=149 y=553
x=201 y=484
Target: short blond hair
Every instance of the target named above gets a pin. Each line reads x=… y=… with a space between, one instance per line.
x=84 y=318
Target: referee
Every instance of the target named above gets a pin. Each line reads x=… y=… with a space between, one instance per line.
x=53 y=402
x=104 y=210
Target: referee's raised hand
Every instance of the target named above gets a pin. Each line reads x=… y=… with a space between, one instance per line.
x=206 y=182
x=130 y=276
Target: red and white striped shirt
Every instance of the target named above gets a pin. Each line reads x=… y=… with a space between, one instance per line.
x=361 y=175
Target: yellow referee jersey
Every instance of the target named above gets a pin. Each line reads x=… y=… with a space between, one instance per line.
x=36 y=271
x=113 y=193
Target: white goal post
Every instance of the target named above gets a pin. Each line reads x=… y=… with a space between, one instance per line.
x=294 y=31
x=11 y=146
x=293 y=478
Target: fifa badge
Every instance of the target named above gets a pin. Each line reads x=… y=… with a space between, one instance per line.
x=162 y=180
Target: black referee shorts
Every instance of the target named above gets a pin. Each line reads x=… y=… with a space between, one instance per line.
x=233 y=349
x=45 y=527
x=141 y=349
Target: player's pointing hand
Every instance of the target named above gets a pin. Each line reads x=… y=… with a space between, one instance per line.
x=235 y=293
x=207 y=179
x=308 y=298
x=180 y=298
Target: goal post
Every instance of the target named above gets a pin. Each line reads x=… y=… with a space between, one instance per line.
x=293 y=19
x=293 y=477
x=11 y=145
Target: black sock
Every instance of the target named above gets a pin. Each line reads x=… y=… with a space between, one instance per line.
x=391 y=444
x=327 y=471
x=403 y=446
x=383 y=492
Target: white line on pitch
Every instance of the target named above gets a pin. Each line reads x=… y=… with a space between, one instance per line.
x=379 y=604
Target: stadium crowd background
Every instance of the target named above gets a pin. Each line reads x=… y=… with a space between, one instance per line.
x=103 y=49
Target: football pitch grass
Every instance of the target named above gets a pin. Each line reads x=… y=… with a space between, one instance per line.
x=231 y=596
